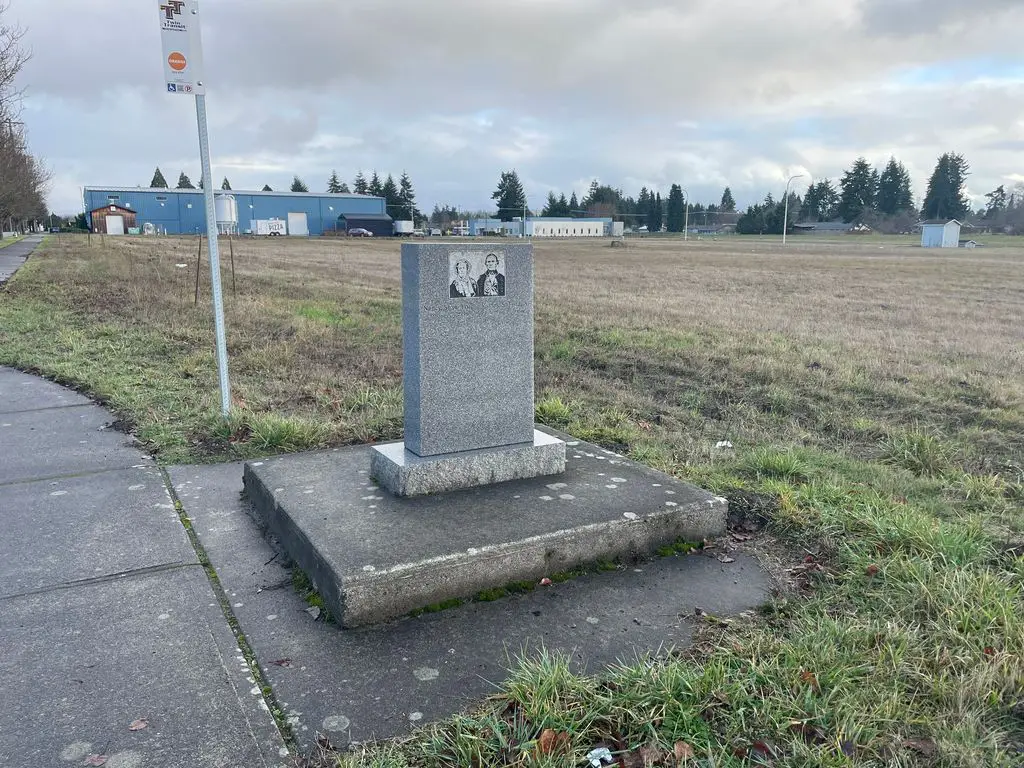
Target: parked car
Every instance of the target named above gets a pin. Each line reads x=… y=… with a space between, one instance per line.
x=359 y=232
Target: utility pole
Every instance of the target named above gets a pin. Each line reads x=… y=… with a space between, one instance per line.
x=785 y=218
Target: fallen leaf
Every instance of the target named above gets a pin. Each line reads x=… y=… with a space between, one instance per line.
x=283 y=662
x=552 y=742
x=848 y=748
x=138 y=725
x=545 y=582
x=314 y=611
x=872 y=571
x=990 y=651
x=741 y=536
x=808 y=677
x=95 y=760
x=682 y=752
x=726 y=559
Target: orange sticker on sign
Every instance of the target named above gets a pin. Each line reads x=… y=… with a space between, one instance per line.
x=177 y=61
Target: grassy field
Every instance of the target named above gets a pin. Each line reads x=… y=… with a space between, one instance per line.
x=872 y=393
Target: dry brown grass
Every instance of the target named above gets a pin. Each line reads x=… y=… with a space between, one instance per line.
x=663 y=345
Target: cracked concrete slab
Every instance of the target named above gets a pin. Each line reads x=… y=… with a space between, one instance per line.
x=93 y=525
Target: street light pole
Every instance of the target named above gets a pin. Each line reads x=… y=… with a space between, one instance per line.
x=686 y=216
x=785 y=218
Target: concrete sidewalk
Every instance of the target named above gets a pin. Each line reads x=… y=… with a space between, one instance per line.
x=13 y=256
x=107 y=617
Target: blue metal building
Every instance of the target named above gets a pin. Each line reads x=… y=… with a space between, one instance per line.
x=182 y=211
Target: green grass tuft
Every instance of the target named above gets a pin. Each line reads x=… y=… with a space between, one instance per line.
x=918 y=452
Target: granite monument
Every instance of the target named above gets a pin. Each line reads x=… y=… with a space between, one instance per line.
x=467 y=324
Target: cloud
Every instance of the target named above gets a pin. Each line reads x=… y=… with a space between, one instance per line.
x=705 y=93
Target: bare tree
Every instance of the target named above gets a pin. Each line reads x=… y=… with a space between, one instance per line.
x=23 y=178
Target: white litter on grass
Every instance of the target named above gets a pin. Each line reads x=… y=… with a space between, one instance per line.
x=181 y=266
x=425 y=674
x=723 y=444
x=415 y=717
x=631 y=515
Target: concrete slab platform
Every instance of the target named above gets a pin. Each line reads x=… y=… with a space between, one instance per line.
x=88 y=527
x=382 y=681
x=22 y=392
x=72 y=663
x=373 y=556
x=54 y=442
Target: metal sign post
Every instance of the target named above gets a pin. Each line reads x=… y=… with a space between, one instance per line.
x=183 y=73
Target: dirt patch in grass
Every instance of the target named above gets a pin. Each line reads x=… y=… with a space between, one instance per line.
x=861 y=403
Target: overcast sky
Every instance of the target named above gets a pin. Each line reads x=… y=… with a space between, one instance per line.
x=705 y=93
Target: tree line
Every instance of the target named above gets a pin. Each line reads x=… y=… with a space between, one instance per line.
x=23 y=177
x=648 y=209
x=884 y=200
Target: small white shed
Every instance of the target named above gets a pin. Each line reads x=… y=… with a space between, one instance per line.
x=940 y=234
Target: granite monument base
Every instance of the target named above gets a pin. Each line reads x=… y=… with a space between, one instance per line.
x=374 y=556
x=405 y=474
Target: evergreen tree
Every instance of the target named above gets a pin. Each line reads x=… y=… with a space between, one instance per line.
x=334 y=184
x=945 y=198
x=200 y=185
x=359 y=185
x=728 y=204
x=996 y=202
x=765 y=218
x=654 y=212
x=551 y=206
x=344 y=190
x=158 y=182
x=389 y=191
x=407 y=198
x=894 y=191
x=375 y=188
x=821 y=203
x=225 y=184
x=184 y=182
x=859 y=187
x=298 y=185
x=563 y=206
x=574 y=206
x=674 y=220
x=267 y=188
x=510 y=196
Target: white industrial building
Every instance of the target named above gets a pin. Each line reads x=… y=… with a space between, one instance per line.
x=940 y=234
x=547 y=227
